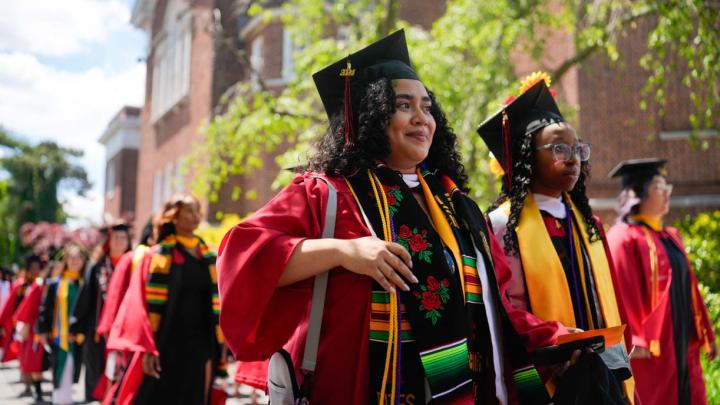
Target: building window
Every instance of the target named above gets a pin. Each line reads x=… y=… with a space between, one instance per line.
x=288 y=64
x=157 y=191
x=171 y=59
x=167 y=184
x=256 y=59
x=110 y=180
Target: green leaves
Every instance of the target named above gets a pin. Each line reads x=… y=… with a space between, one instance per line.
x=468 y=60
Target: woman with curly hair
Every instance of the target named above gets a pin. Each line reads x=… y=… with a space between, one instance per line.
x=413 y=312
x=555 y=246
x=667 y=317
x=53 y=323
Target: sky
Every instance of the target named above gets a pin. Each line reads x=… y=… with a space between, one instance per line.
x=66 y=68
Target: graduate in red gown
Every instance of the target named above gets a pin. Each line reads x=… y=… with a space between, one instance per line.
x=130 y=263
x=32 y=351
x=13 y=348
x=433 y=273
x=91 y=300
x=168 y=318
x=668 y=320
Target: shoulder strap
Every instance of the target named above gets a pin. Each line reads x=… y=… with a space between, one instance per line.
x=318 y=298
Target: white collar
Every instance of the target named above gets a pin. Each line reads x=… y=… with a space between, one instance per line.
x=552 y=205
x=411 y=180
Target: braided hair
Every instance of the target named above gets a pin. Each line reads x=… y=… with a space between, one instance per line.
x=523 y=154
x=375 y=106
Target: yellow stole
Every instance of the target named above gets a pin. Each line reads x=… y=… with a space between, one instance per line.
x=545 y=279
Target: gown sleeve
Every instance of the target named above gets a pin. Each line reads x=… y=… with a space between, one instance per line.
x=6 y=314
x=632 y=286
x=116 y=291
x=85 y=302
x=700 y=311
x=535 y=332
x=29 y=309
x=130 y=330
x=256 y=316
x=47 y=309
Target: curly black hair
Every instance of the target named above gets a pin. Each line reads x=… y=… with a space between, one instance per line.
x=374 y=106
x=523 y=154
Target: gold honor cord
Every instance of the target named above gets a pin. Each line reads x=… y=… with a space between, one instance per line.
x=391 y=355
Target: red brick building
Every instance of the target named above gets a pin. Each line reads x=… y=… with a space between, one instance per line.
x=121 y=140
x=611 y=118
x=193 y=59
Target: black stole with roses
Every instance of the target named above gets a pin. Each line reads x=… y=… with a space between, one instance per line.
x=444 y=337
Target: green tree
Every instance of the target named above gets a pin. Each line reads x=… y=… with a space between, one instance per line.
x=464 y=59
x=33 y=176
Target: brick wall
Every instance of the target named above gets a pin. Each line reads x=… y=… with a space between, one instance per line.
x=611 y=118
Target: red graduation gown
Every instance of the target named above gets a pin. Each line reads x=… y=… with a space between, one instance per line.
x=132 y=335
x=7 y=321
x=31 y=351
x=116 y=291
x=258 y=318
x=656 y=378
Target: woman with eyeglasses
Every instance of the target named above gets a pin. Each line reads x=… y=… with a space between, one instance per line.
x=666 y=315
x=561 y=268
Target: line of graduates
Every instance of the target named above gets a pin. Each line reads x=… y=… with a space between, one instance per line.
x=431 y=301
x=143 y=321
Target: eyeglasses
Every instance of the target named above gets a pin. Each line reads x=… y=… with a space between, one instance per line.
x=663 y=188
x=563 y=151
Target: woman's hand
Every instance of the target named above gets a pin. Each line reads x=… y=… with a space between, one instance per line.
x=151 y=365
x=558 y=370
x=640 y=352
x=43 y=338
x=385 y=262
x=713 y=354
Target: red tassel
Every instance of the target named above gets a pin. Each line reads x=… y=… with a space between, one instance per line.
x=506 y=149
x=348 y=73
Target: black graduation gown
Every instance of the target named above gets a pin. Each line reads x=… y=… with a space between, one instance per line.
x=185 y=340
x=86 y=314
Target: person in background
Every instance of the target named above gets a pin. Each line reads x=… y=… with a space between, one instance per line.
x=32 y=353
x=53 y=324
x=181 y=358
x=131 y=262
x=90 y=302
x=11 y=347
x=667 y=317
x=555 y=245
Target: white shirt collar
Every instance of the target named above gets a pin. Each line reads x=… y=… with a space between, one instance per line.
x=552 y=205
x=411 y=180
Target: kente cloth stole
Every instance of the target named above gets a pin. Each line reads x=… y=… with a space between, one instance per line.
x=441 y=338
x=546 y=283
x=167 y=260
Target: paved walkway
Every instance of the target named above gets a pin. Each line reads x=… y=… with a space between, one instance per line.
x=11 y=388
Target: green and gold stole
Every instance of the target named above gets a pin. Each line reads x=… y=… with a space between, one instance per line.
x=167 y=260
x=66 y=294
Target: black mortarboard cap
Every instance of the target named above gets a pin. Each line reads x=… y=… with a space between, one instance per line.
x=119 y=227
x=526 y=114
x=636 y=172
x=386 y=58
